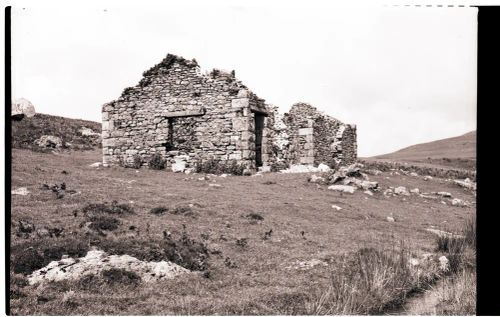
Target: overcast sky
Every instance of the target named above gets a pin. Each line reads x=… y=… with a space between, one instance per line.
x=402 y=75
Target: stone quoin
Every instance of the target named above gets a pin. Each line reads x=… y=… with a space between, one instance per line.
x=178 y=112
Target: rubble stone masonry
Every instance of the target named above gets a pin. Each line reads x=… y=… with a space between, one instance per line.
x=178 y=112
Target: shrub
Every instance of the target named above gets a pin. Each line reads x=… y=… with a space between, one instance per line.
x=183 y=251
x=159 y=210
x=157 y=162
x=214 y=166
x=107 y=208
x=136 y=161
x=33 y=255
x=368 y=282
x=255 y=216
x=104 y=223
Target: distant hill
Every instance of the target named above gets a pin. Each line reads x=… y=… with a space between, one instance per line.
x=26 y=131
x=458 y=151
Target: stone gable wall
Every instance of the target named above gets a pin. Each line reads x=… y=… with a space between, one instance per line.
x=148 y=118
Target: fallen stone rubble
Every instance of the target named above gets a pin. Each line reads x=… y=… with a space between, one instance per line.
x=96 y=261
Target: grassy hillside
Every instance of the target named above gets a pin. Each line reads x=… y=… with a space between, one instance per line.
x=250 y=269
x=26 y=131
x=458 y=152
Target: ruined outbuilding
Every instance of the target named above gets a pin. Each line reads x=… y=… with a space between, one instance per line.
x=180 y=113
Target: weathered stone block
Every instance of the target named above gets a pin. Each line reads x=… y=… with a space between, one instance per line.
x=306 y=131
x=240 y=103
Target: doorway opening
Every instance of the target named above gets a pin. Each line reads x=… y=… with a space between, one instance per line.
x=259 y=127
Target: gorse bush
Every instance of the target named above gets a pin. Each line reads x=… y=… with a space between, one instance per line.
x=214 y=166
x=157 y=162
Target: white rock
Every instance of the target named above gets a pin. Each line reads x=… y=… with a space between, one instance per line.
x=401 y=190
x=96 y=164
x=96 y=261
x=300 y=168
x=223 y=175
x=23 y=191
x=336 y=207
x=390 y=219
x=87 y=131
x=49 y=141
x=444 y=263
x=427 y=178
x=215 y=185
x=343 y=188
x=388 y=192
x=22 y=108
x=368 y=192
x=466 y=183
x=316 y=179
x=413 y=174
x=323 y=167
x=459 y=202
x=414 y=262
x=415 y=191
x=443 y=194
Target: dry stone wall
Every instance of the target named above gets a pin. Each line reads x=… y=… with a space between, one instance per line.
x=182 y=114
x=175 y=110
x=312 y=137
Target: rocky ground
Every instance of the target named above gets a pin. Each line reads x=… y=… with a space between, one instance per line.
x=262 y=244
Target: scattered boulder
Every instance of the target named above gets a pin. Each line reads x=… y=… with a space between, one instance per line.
x=49 y=141
x=214 y=185
x=23 y=191
x=22 y=108
x=343 y=188
x=323 y=168
x=96 y=164
x=97 y=261
x=401 y=190
x=444 y=263
x=88 y=132
x=336 y=207
x=466 y=183
x=413 y=262
x=413 y=174
x=368 y=192
x=300 y=168
x=316 y=179
x=343 y=172
x=388 y=192
x=363 y=184
x=443 y=194
x=415 y=191
x=459 y=202
x=372 y=172
x=306 y=265
x=390 y=219
x=427 y=178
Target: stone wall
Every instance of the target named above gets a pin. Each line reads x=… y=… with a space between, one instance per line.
x=312 y=137
x=180 y=113
x=175 y=110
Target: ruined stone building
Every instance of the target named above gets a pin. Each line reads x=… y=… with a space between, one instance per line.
x=182 y=114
